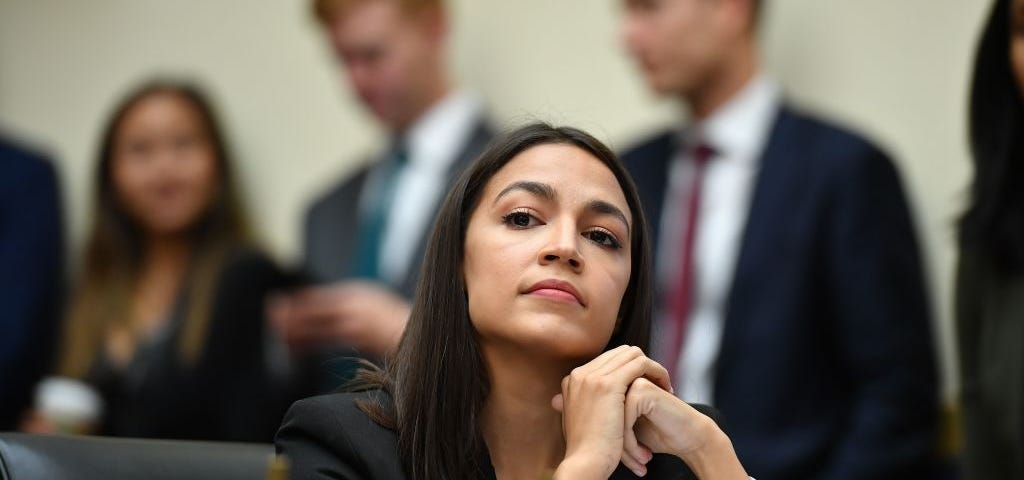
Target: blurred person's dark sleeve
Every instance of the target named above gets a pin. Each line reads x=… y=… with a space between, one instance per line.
x=31 y=275
x=989 y=307
x=247 y=396
x=883 y=326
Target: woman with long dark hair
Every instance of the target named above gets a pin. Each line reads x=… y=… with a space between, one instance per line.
x=166 y=320
x=523 y=356
x=990 y=278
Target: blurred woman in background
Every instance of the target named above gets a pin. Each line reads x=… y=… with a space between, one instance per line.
x=990 y=283
x=166 y=321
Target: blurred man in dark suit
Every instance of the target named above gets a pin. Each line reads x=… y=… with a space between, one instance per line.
x=31 y=275
x=790 y=288
x=366 y=235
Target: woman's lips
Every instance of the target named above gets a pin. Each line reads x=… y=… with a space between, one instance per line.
x=556 y=290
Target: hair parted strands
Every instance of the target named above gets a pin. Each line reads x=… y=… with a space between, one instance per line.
x=436 y=380
x=993 y=224
x=114 y=246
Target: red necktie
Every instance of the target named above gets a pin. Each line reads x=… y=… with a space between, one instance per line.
x=680 y=300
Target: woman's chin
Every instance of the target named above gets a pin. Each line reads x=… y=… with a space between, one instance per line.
x=553 y=335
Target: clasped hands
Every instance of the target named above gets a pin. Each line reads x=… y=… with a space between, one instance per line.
x=620 y=406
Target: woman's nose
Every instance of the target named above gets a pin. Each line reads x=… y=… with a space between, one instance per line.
x=563 y=246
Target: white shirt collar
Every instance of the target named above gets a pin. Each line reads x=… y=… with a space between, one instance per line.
x=740 y=127
x=434 y=137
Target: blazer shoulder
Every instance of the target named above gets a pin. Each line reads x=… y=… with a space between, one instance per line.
x=25 y=170
x=328 y=436
x=842 y=156
x=482 y=132
x=826 y=137
x=658 y=145
x=480 y=136
x=342 y=194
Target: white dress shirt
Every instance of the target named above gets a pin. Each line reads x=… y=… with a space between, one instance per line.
x=434 y=143
x=738 y=133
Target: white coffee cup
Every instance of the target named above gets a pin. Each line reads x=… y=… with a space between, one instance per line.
x=70 y=406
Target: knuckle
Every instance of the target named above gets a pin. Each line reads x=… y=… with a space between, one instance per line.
x=604 y=384
x=641 y=386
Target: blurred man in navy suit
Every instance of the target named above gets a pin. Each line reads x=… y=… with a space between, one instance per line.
x=31 y=268
x=790 y=283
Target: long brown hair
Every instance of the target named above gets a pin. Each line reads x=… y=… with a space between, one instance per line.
x=992 y=227
x=436 y=379
x=114 y=247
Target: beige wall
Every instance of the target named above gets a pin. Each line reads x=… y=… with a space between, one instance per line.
x=896 y=70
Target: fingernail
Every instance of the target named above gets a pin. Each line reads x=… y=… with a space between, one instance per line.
x=640 y=471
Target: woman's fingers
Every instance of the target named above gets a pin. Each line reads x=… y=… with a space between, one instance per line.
x=631 y=445
x=602 y=375
x=636 y=466
x=610 y=359
x=632 y=450
x=627 y=361
x=558 y=403
x=612 y=362
x=643 y=367
x=610 y=376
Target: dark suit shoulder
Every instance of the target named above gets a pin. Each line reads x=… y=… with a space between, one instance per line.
x=24 y=171
x=841 y=158
x=828 y=140
x=328 y=436
x=341 y=193
x=329 y=226
x=659 y=145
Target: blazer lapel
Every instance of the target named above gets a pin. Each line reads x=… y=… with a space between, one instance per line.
x=769 y=207
x=650 y=173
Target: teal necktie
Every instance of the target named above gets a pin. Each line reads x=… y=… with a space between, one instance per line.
x=375 y=219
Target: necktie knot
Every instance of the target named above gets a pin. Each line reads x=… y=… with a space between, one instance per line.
x=702 y=153
x=400 y=155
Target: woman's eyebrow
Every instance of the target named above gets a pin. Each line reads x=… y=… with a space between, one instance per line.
x=605 y=208
x=542 y=190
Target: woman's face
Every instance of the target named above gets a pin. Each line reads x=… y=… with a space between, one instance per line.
x=163 y=167
x=1017 y=42
x=547 y=254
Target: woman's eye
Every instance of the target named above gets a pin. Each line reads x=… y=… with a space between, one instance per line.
x=185 y=142
x=140 y=148
x=603 y=238
x=519 y=219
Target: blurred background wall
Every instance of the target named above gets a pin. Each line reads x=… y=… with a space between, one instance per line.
x=897 y=71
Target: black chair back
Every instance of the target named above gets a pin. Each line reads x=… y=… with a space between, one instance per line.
x=64 y=457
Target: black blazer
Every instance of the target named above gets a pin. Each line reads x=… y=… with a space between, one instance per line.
x=329 y=437
x=331 y=222
x=230 y=393
x=826 y=368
